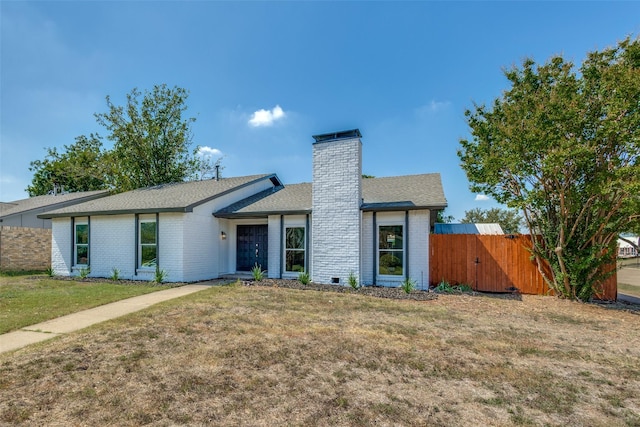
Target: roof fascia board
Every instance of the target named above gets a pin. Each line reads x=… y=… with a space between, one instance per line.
x=50 y=207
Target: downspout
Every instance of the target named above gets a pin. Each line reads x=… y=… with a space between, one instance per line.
x=73 y=244
x=89 y=241
x=136 y=241
x=281 y=245
x=375 y=248
x=158 y=239
x=306 y=246
x=406 y=244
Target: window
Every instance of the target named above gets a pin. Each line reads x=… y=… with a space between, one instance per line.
x=294 y=249
x=148 y=244
x=81 y=250
x=390 y=250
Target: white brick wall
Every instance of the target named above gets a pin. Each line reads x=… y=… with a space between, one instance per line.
x=275 y=243
x=61 y=246
x=367 y=249
x=337 y=194
x=113 y=245
x=419 y=247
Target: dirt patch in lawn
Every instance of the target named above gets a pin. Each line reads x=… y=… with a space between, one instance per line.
x=267 y=355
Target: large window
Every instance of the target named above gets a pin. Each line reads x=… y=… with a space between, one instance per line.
x=81 y=250
x=294 y=249
x=390 y=250
x=148 y=244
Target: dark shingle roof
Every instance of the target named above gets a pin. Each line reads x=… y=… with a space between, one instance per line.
x=379 y=194
x=291 y=199
x=176 y=197
x=48 y=202
x=403 y=192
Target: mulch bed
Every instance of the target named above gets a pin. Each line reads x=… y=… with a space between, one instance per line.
x=375 y=291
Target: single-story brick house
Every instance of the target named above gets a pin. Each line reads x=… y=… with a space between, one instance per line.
x=337 y=225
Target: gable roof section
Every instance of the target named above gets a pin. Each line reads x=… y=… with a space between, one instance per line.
x=48 y=202
x=406 y=192
x=292 y=199
x=176 y=197
x=391 y=193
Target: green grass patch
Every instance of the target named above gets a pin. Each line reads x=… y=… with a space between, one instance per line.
x=26 y=300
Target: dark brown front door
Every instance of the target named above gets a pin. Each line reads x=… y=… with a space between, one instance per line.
x=252 y=247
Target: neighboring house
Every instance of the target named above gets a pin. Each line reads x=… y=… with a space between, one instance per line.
x=24 y=213
x=340 y=224
x=625 y=249
x=492 y=228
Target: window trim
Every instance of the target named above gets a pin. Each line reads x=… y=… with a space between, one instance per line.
x=76 y=223
x=303 y=249
x=403 y=250
x=140 y=245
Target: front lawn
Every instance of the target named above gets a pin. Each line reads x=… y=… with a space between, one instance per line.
x=251 y=355
x=26 y=299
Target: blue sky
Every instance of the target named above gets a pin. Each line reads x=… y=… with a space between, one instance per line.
x=266 y=76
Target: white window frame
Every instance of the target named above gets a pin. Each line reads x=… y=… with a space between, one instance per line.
x=303 y=250
x=141 y=245
x=76 y=223
x=403 y=250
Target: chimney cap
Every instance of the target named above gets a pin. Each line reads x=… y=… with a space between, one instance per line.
x=345 y=134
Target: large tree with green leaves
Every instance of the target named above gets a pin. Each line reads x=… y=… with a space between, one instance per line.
x=508 y=219
x=83 y=166
x=151 y=138
x=563 y=146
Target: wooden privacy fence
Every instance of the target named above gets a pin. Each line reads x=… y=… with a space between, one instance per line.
x=492 y=263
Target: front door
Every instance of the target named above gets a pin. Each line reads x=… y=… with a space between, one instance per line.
x=252 y=247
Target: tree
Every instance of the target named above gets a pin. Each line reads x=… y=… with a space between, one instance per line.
x=563 y=147
x=151 y=138
x=444 y=218
x=83 y=166
x=508 y=219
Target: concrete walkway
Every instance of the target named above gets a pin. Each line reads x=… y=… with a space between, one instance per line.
x=82 y=319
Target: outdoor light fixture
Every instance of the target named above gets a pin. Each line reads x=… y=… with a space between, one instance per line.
x=223 y=235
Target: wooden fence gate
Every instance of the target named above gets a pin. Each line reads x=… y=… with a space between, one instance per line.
x=492 y=263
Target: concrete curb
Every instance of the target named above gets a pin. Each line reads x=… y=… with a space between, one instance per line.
x=82 y=319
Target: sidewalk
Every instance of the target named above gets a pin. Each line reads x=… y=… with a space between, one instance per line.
x=73 y=322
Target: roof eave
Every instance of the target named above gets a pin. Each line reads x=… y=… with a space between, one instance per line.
x=115 y=212
x=261 y=214
x=369 y=208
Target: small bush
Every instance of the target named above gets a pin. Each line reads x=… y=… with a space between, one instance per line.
x=304 y=278
x=445 y=288
x=257 y=273
x=84 y=272
x=49 y=271
x=115 y=274
x=160 y=275
x=353 y=281
x=408 y=285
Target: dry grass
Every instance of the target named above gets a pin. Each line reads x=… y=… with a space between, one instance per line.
x=271 y=356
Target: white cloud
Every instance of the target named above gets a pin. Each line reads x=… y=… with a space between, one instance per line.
x=266 y=117
x=205 y=151
x=432 y=108
x=481 y=198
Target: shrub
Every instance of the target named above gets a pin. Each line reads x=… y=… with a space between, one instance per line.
x=49 y=271
x=408 y=285
x=160 y=275
x=304 y=278
x=257 y=273
x=353 y=281
x=115 y=274
x=84 y=272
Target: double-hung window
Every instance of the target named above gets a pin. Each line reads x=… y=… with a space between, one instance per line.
x=148 y=251
x=294 y=249
x=81 y=243
x=390 y=250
